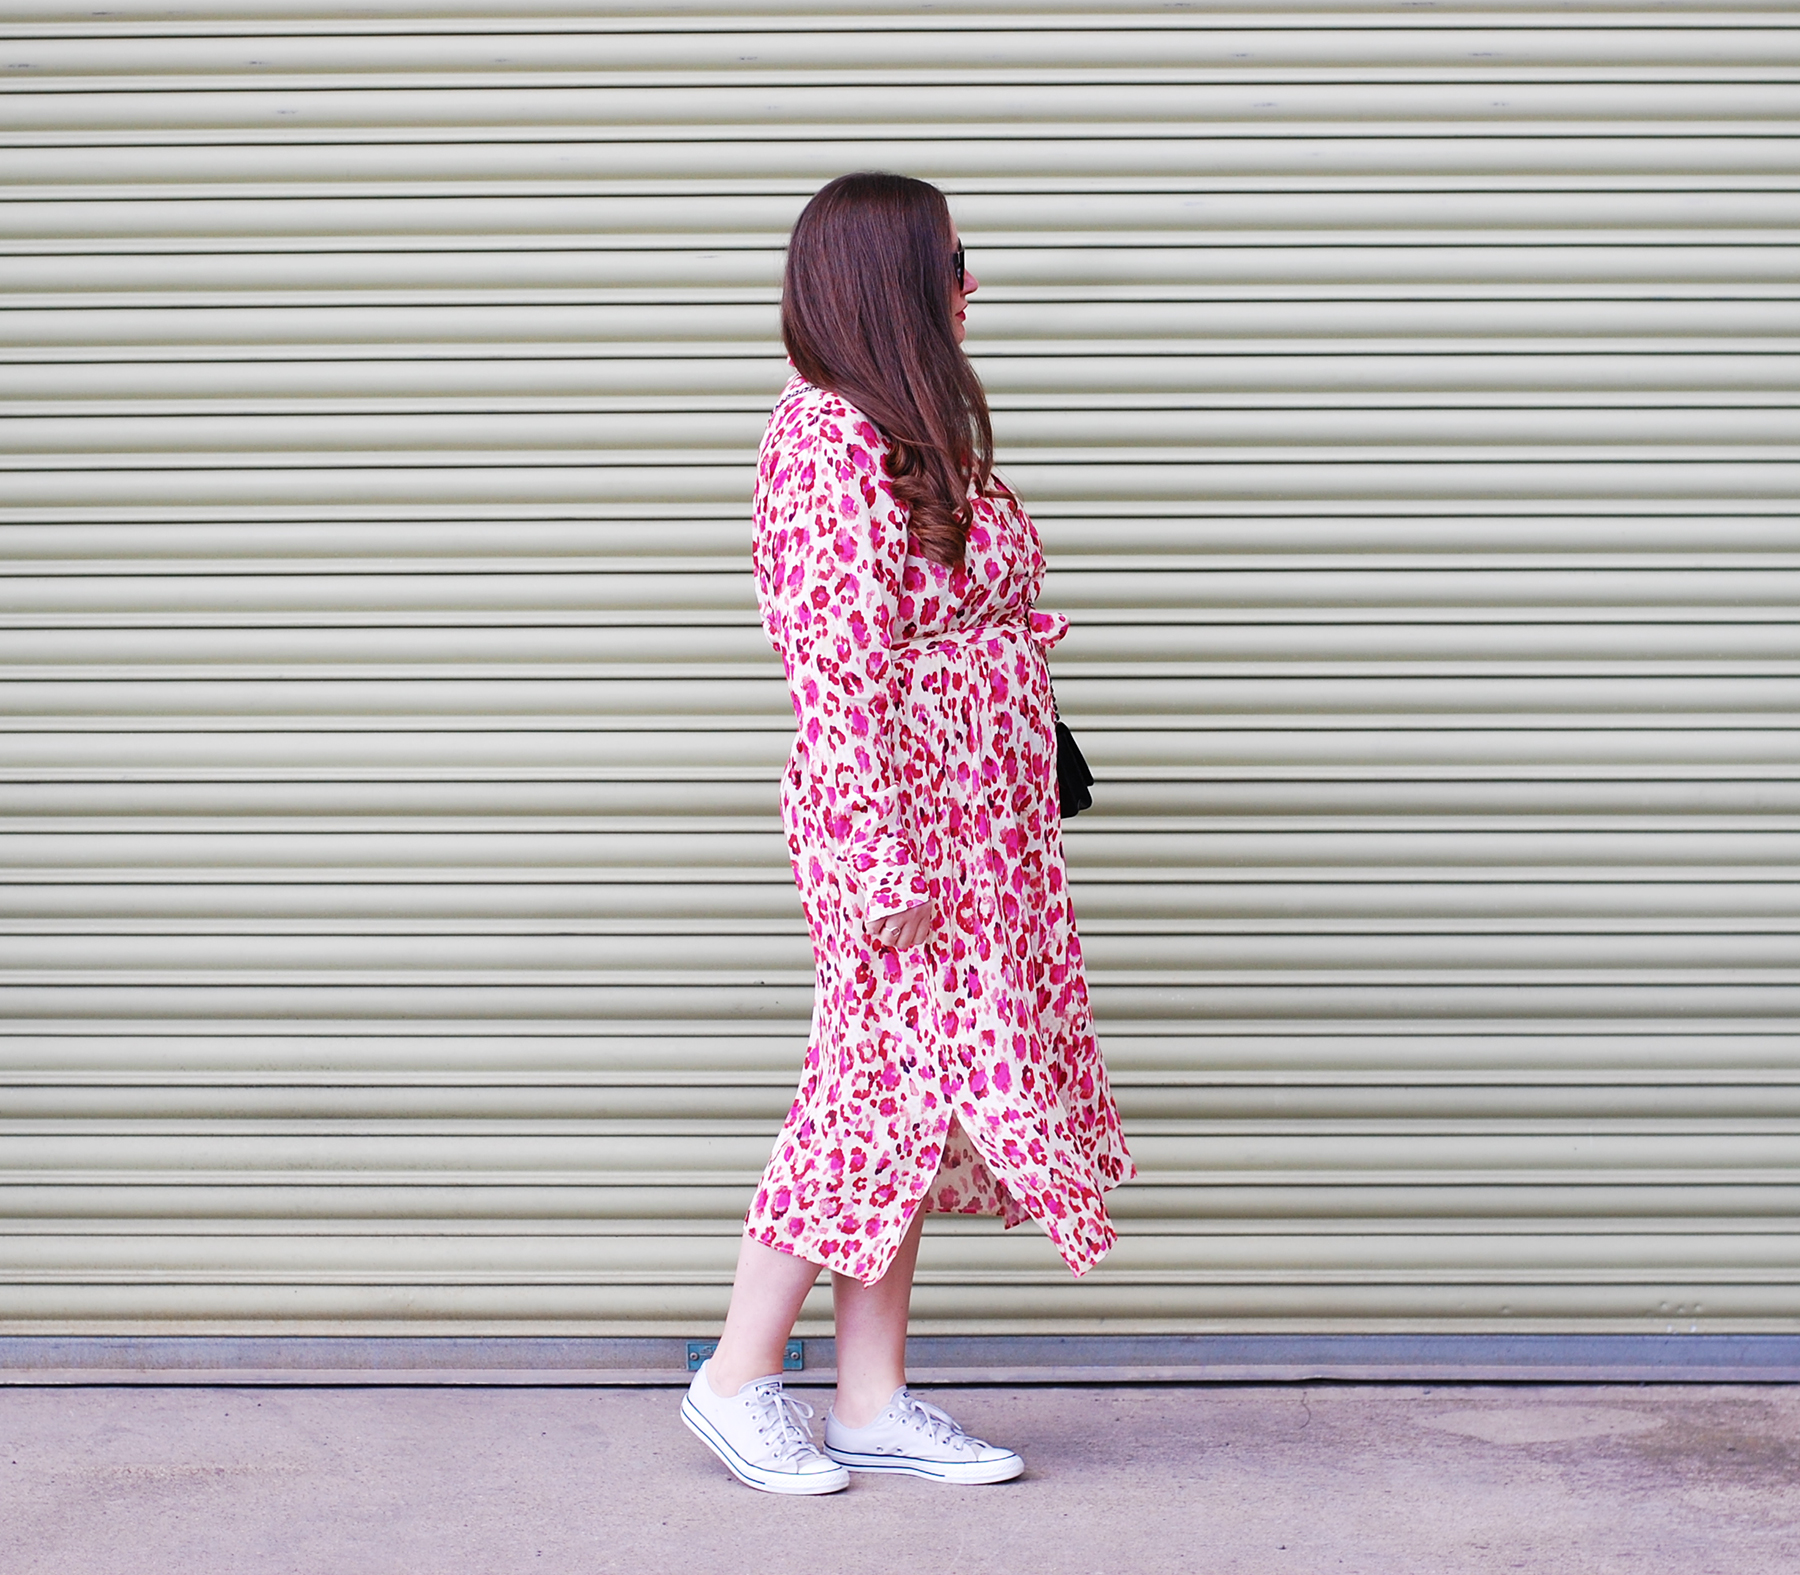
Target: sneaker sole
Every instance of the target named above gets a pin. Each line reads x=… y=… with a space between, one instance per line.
x=974 y=1475
x=755 y=1476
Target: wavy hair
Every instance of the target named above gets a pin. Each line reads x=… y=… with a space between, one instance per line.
x=865 y=313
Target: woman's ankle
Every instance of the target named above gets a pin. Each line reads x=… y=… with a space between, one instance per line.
x=859 y=1406
x=727 y=1377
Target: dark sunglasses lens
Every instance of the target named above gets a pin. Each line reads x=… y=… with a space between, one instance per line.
x=956 y=262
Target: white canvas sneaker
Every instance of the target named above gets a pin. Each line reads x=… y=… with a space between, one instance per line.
x=914 y=1436
x=762 y=1435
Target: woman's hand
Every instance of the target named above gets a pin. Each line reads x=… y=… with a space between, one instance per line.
x=904 y=929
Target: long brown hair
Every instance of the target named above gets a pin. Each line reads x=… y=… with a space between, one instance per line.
x=865 y=312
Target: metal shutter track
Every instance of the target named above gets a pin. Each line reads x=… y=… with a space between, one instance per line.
x=395 y=932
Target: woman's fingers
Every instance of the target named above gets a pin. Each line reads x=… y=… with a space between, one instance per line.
x=902 y=931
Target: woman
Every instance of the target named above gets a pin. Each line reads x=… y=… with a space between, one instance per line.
x=952 y=1066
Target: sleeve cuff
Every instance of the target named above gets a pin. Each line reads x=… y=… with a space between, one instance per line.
x=1047 y=628
x=899 y=886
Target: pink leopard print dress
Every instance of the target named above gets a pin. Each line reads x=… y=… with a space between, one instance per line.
x=961 y=1076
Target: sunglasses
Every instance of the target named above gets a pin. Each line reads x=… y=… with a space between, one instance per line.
x=956 y=263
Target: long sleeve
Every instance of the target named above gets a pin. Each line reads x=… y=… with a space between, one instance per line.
x=830 y=555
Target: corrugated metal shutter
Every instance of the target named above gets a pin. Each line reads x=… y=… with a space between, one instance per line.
x=396 y=928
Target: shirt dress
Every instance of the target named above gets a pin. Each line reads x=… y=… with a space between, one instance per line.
x=960 y=1076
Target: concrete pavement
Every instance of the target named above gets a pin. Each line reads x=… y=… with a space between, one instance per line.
x=1315 y=1479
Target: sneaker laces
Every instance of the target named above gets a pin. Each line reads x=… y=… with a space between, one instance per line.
x=783 y=1423
x=937 y=1424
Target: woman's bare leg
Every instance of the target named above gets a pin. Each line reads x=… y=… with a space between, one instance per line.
x=871 y=1333
x=765 y=1301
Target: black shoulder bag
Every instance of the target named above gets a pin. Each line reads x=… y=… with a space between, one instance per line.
x=1073 y=779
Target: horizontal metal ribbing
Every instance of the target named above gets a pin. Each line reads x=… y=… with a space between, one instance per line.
x=1675 y=152
x=989 y=216
x=1683 y=751
x=668 y=267
x=1244 y=901
x=1035 y=1306
x=1428 y=479
x=38 y=1261
x=1605 y=1102
x=488 y=551
x=779 y=109
x=647 y=1203
x=1497 y=375
x=292 y=18
x=1205 y=591
x=497 y=1152
x=396 y=923
x=1159 y=436
x=837 y=56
